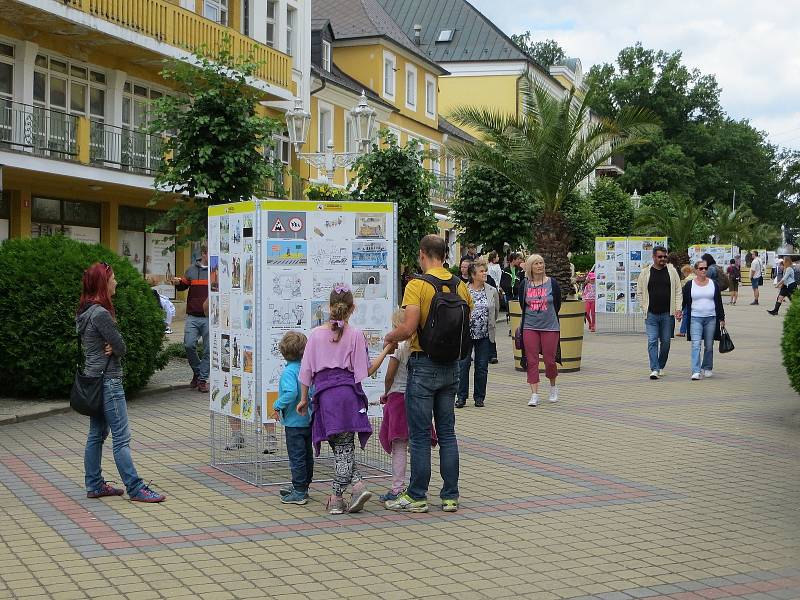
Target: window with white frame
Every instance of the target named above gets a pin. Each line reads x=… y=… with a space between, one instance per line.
x=389 y=70
x=430 y=96
x=216 y=10
x=451 y=166
x=272 y=11
x=350 y=141
x=326 y=55
x=411 y=87
x=396 y=133
x=69 y=87
x=6 y=77
x=325 y=126
x=291 y=20
x=436 y=166
x=246 y=17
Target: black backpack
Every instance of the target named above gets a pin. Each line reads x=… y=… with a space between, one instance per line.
x=445 y=335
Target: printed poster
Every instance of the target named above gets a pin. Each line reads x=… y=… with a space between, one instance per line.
x=618 y=264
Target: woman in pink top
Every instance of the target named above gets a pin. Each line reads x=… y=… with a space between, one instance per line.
x=336 y=361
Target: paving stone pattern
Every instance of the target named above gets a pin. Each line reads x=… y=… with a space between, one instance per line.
x=627 y=488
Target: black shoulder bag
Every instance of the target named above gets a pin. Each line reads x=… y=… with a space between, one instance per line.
x=86 y=396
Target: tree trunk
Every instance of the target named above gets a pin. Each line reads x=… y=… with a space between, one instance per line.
x=678 y=259
x=552 y=242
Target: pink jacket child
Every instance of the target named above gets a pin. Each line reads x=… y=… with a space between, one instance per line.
x=590 y=298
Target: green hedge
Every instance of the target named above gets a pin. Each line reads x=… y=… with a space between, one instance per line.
x=583 y=262
x=40 y=285
x=790 y=344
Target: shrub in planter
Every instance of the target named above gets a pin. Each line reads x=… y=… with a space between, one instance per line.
x=790 y=344
x=40 y=285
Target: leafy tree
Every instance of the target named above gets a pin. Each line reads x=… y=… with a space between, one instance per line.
x=215 y=155
x=547 y=53
x=789 y=186
x=730 y=226
x=493 y=211
x=762 y=235
x=395 y=174
x=613 y=207
x=547 y=151
x=582 y=222
x=677 y=217
x=790 y=345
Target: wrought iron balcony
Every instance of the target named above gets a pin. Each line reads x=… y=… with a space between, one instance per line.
x=40 y=131
x=125 y=149
x=444 y=189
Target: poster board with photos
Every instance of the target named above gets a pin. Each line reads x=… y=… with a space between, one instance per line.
x=618 y=263
x=232 y=250
x=311 y=247
x=722 y=253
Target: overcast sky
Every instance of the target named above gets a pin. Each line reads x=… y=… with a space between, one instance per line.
x=753 y=48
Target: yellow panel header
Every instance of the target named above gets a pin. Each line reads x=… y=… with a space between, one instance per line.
x=231 y=208
x=311 y=205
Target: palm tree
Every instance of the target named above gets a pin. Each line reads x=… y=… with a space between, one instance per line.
x=761 y=235
x=547 y=151
x=679 y=220
x=730 y=225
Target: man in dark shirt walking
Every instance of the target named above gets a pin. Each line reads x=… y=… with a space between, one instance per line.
x=196 y=324
x=658 y=291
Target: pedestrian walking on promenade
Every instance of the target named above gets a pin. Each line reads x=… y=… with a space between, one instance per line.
x=103 y=347
x=589 y=296
x=432 y=373
x=540 y=298
x=756 y=276
x=482 y=324
x=687 y=274
x=787 y=284
x=658 y=292
x=702 y=301
x=511 y=279
x=734 y=276
x=196 y=325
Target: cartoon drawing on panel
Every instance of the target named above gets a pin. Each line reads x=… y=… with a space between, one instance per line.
x=236 y=236
x=371 y=225
x=370 y=285
x=287 y=285
x=320 y=312
x=213 y=309
x=247 y=314
x=236 y=312
x=226 y=353
x=224 y=275
x=236 y=362
x=247 y=359
x=375 y=314
x=287 y=252
x=370 y=255
x=224 y=235
x=286 y=225
x=249 y=276
x=236 y=272
x=329 y=225
x=224 y=311
x=215 y=343
x=236 y=396
x=213 y=268
x=248 y=397
x=324 y=281
x=286 y=315
x=329 y=255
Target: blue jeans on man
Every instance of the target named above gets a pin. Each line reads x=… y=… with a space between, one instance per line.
x=702 y=329
x=196 y=328
x=660 y=328
x=301 y=456
x=115 y=420
x=482 y=349
x=430 y=389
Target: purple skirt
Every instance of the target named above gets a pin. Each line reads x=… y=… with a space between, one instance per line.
x=394 y=425
x=340 y=406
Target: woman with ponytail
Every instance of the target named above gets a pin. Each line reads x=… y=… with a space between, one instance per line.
x=335 y=362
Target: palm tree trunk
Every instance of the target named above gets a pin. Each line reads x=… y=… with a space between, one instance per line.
x=552 y=242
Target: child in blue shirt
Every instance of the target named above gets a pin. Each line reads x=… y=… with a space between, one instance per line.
x=296 y=427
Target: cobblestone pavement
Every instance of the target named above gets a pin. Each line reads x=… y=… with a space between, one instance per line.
x=627 y=488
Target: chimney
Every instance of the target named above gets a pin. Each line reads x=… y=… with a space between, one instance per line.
x=417 y=34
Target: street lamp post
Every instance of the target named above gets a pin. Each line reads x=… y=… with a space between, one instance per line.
x=362 y=118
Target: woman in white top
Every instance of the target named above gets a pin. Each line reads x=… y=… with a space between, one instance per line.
x=702 y=305
x=787 y=284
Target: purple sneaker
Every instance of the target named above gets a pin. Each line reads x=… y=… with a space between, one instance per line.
x=105 y=490
x=145 y=494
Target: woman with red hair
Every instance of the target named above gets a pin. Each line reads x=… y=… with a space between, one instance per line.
x=103 y=347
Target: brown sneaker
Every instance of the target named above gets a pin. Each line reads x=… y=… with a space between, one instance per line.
x=193 y=384
x=202 y=386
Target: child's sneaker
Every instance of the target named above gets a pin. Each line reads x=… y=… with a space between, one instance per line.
x=406 y=503
x=390 y=495
x=359 y=499
x=450 y=505
x=105 y=490
x=295 y=497
x=145 y=494
x=335 y=505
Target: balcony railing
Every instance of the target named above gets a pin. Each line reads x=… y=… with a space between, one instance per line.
x=444 y=189
x=182 y=28
x=124 y=149
x=40 y=131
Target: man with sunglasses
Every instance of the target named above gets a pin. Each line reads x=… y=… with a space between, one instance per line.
x=658 y=292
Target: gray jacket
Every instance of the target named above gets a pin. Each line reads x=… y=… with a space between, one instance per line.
x=97 y=328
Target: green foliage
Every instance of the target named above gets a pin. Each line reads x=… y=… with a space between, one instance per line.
x=701 y=153
x=546 y=53
x=582 y=222
x=492 y=211
x=790 y=344
x=613 y=207
x=547 y=151
x=676 y=217
x=213 y=138
x=173 y=350
x=323 y=191
x=40 y=285
x=583 y=262
x=395 y=174
x=731 y=226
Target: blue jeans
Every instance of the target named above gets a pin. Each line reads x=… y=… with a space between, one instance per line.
x=195 y=329
x=703 y=330
x=659 y=335
x=114 y=419
x=301 y=456
x=482 y=349
x=684 y=322
x=430 y=389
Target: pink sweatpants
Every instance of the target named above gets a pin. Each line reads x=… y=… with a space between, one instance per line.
x=545 y=342
x=591 y=317
x=399 y=457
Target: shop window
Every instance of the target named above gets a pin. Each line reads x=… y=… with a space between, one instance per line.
x=76 y=220
x=148 y=251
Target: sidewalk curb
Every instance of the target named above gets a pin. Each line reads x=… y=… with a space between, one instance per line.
x=57 y=410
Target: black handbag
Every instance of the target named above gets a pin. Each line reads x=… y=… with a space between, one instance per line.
x=86 y=396
x=725 y=341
